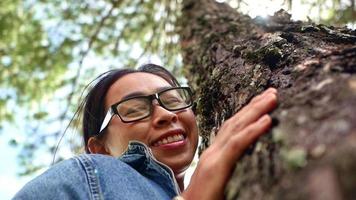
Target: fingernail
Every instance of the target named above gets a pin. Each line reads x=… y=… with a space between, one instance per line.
x=271 y=89
x=270 y=95
x=268 y=91
x=264 y=118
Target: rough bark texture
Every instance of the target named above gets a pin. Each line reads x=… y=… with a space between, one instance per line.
x=310 y=153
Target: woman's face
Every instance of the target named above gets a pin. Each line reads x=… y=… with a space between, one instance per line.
x=154 y=130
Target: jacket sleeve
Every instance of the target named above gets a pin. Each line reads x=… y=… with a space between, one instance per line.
x=66 y=180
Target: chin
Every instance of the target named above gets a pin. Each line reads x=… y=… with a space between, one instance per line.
x=179 y=164
x=179 y=158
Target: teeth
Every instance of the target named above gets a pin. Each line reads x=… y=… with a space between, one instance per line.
x=164 y=141
x=169 y=139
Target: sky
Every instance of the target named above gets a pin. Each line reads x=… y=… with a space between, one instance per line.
x=10 y=183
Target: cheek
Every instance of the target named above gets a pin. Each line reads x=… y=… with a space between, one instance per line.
x=116 y=140
x=115 y=144
x=119 y=134
x=189 y=121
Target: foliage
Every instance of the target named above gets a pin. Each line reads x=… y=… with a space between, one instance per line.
x=50 y=49
x=26 y=57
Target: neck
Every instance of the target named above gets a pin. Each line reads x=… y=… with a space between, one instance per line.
x=180 y=181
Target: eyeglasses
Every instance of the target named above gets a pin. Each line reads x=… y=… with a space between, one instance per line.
x=139 y=107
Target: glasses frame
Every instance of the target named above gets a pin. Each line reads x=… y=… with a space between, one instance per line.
x=113 y=111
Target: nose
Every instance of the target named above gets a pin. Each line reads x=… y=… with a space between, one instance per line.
x=162 y=117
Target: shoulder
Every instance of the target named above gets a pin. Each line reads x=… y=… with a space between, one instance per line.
x=67 y=179
x=91 y=176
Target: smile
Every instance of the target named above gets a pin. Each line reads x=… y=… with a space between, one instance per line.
x=169 y=139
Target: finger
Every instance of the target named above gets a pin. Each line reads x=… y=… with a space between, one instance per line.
x=258 y=98
x=240 y=142
x=272 y=90
x=249 y=114
x=254 y=111
x=263 y=94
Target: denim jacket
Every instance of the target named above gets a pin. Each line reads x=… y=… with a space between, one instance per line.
x=136 y=174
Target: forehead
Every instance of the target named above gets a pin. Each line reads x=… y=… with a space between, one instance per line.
x=145 y=83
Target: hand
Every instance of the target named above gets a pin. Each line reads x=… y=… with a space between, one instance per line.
x=234 y=137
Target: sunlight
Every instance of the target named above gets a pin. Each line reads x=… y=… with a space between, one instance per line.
x=299 y=10
x=260 y=8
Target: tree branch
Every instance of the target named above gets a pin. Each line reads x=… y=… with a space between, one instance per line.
x=74 y=81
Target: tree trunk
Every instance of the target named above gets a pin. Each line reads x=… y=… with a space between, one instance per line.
x=310 y=153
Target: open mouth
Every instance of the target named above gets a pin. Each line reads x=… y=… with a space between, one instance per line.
x=169 y=140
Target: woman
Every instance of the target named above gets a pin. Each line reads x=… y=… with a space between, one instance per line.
x=140 y=134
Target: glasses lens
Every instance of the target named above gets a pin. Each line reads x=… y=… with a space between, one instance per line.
x=175 y=99
x=134 y=109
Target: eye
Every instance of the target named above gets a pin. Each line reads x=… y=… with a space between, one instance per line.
x=132 y=108
x=135 y=111
x=172 y=100
x=130 y=111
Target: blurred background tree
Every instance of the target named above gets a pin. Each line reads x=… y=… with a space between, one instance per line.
x=51 y=49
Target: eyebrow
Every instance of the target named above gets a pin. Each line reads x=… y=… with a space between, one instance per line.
x=134 y=94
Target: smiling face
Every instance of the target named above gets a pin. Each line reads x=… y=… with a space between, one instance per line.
x=172 y=136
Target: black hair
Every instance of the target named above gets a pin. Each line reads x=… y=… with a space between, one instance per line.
x=94 y=108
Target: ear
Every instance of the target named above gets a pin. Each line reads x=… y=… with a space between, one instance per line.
x=96 y=146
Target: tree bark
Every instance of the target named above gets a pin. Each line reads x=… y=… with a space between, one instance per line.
x=310 y=153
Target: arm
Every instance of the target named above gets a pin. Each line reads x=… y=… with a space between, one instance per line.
x=235 y=136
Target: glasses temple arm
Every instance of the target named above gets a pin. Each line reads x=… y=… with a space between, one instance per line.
x=107 y=119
